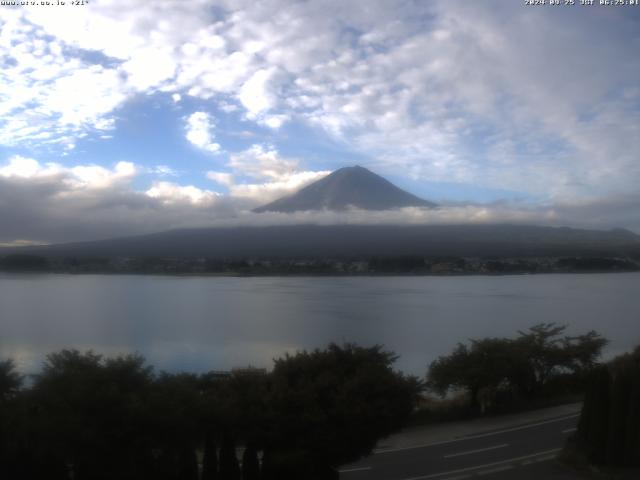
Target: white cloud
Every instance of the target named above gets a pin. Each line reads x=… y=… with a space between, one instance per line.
x=222 y=178
x=228 y=107
x=21 y=167
x=262 y=161
x=77 y=178
x=149 y=68
x=95 y=176
x=256 y=94
x=275 y=121
x=198 y=130
x=50 y=203
x=171 y=193
x=442 y=90
x=47 y=96
x=22 y=243
x=260 y=174
x=163 y=171
x=271 y=190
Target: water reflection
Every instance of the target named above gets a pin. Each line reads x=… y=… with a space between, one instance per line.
x=197 y=323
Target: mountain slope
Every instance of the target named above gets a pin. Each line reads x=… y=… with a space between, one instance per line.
x=361 y=241
x=349 y=186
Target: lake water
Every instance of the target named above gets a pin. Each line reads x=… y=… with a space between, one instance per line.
x=203 y=323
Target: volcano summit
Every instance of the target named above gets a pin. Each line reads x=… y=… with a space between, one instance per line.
x=347 y=187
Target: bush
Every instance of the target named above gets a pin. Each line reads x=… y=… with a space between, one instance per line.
x=609 y=426
x=102 y=418
x=498 y=371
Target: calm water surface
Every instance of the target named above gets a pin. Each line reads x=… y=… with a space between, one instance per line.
x=203 y=323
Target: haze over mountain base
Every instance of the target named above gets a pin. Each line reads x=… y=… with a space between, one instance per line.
x=343 y=249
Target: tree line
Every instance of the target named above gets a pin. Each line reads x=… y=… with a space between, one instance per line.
x=609 y=427
x=497 y=373
x=89 y=417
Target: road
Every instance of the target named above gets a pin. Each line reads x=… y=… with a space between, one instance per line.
x=520 y=451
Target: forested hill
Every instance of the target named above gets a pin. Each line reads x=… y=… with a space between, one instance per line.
x=355 y=241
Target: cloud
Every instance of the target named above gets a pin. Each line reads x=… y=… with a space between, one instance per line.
x=276 y=175
x=163 y=171
x=493 y=95
x=255 y=94
x=222 y=178
x=46 y=203
x=75 y=178
x=198 y=131
x=171 y=193
x=48 y=97
x=262 y=161
x=21 y=167
x=261 y=193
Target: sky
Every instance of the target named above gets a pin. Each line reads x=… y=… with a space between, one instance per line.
x=120 y=118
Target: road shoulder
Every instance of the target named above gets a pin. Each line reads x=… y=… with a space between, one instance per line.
x=450 y=431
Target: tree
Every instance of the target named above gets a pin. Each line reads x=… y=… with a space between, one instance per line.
x=609 y=426
x=10 y=380
x=484 y=366
x=97 y=418
x=498 y=367
x=90 y=413
x=12 y=419
x=175 y=422
x=548 y=353
x=229 y=466
x=22 y=262
x=250 y=463
x=330 y=407
x=523 y=365
x=210 y=458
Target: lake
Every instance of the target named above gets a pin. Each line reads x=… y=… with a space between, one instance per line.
x=216 y=323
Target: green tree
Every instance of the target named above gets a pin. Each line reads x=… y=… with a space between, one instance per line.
x=548 y=353
x=485 y=364
x=12 y=422
x=90 y=413
x=175 y=422
x=330 y=407
x=609 y=426
x=10 y=380
x=523 y=365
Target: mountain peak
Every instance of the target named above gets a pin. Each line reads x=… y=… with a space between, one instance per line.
x=346 y=187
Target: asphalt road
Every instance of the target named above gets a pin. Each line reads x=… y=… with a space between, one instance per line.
x=522 y=452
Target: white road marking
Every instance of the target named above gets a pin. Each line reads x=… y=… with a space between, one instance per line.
x=488 y=465
x=469 y=452
x=358 y=469
x=569 y=430
x=471 y=437
x=543 y=459
x=496 y=470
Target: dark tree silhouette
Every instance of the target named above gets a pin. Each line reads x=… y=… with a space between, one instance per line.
x=10 y=380
x=250 y=463
x=229 y=466
x=609 y=426
x=89 y=417
x=524 y=365
x=210 y=458
x=332 y=406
